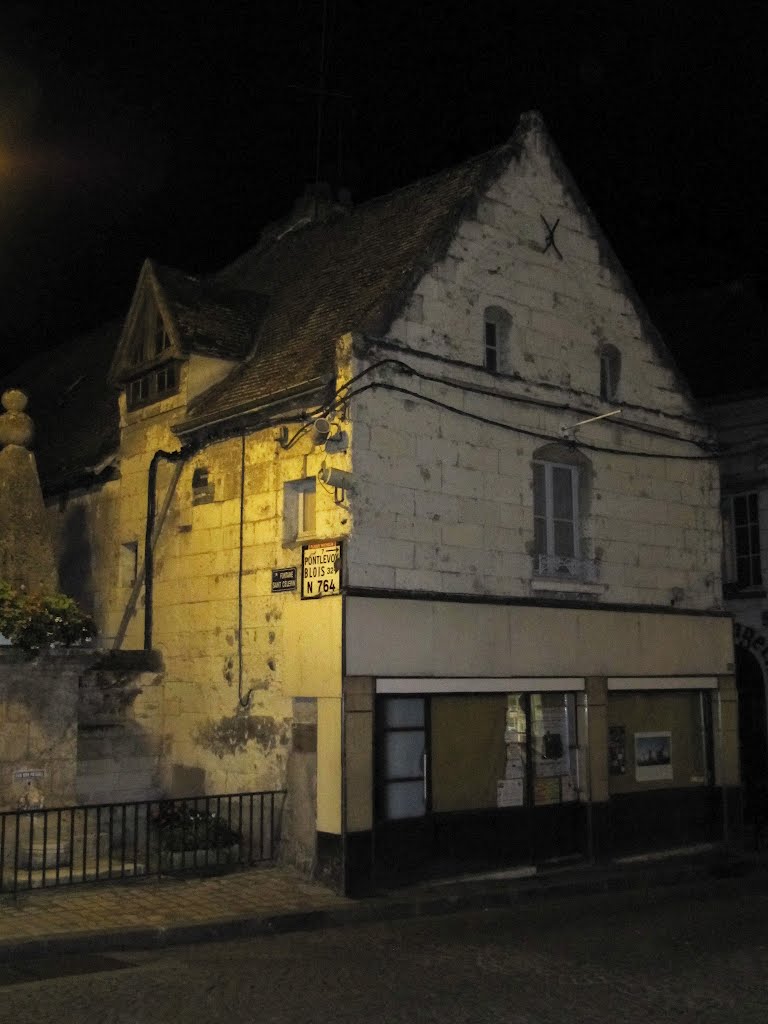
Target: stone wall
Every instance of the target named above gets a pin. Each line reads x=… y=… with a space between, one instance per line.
x=82 y=727
x=38 y=726
x=234 y=653
x=120 y=735
x=444 y=501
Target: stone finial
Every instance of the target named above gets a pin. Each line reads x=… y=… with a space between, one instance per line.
x=16 y=427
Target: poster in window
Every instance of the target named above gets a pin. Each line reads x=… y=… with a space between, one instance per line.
x=653 y=756
x=551 y=743
x=617 y=750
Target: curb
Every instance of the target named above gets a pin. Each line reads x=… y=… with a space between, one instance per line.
x=458 y=897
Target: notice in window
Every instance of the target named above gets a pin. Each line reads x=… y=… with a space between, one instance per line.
x=551 y=742
x=617 y=750
x=653 y=756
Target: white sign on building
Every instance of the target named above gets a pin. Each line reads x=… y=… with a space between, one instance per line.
x=320 y=569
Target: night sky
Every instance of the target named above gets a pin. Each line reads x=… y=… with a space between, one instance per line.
x=177 y=130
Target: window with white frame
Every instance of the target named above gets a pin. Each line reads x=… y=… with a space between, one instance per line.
x=556 y=509
x=743 y=547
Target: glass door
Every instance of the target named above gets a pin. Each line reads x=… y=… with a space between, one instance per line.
x=402 y=758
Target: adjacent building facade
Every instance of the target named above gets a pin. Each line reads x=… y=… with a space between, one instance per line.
x=425 y=525
x=729 y=323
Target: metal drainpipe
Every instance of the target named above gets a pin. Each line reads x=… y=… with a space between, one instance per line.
x=179 y=456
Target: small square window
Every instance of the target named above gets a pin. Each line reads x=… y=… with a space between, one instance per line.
x=203 y=488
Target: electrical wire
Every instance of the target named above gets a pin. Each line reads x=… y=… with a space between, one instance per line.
x=406 y=368
x=477 y=417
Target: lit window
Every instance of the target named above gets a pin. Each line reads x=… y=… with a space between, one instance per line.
x=610 y=371
x=742 y=512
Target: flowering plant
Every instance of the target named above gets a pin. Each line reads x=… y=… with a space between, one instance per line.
x=187 y=827
x=35 y=620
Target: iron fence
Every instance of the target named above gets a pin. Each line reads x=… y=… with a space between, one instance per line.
x=107 y=842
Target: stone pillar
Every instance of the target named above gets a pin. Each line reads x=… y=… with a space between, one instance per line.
x=26 y=549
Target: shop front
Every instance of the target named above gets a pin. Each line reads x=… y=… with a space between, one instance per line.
x=661 y=764
x=511 y=752
x=476 y=779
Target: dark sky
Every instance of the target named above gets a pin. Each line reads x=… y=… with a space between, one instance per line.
x=176 y=130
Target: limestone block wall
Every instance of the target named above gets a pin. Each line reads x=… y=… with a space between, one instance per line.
x=120 y=742
x=38 y=726
x=444 y=502
x=234 y=654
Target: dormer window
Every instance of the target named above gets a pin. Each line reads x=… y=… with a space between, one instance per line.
x=155 y=374
x=610 y=372
x=152 y=386
x=496 y=323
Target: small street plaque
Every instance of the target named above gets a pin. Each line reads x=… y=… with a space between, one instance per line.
x=284 y=579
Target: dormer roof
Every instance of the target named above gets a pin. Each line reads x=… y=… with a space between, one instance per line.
x=198 y=315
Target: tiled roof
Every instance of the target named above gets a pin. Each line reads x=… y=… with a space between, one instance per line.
x=74 y=411
x=350 y=273
x=212 y=319
x=277 y=311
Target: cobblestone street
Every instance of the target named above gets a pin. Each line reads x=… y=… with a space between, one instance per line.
x=687 y=954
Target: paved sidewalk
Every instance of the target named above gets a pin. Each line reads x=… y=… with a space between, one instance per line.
x=152 y=913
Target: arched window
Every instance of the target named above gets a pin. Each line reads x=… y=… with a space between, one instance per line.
x=561 y=485
x=610 y=372
x=496 y=323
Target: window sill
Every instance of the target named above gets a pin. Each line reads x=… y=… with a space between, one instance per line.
x=305 y=538
x=564 y=586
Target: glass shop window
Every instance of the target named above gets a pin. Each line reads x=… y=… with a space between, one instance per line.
x=554 y=748
x=659 y=740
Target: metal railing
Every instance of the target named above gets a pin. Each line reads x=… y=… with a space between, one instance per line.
x=107 y=842
x=581 y=570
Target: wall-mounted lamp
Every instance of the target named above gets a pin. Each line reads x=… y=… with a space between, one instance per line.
x=339 y=479
x=321 y=430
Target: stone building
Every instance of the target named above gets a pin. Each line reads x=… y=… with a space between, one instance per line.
x=424 y=524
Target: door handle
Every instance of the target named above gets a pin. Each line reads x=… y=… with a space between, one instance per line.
x=424 y=774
